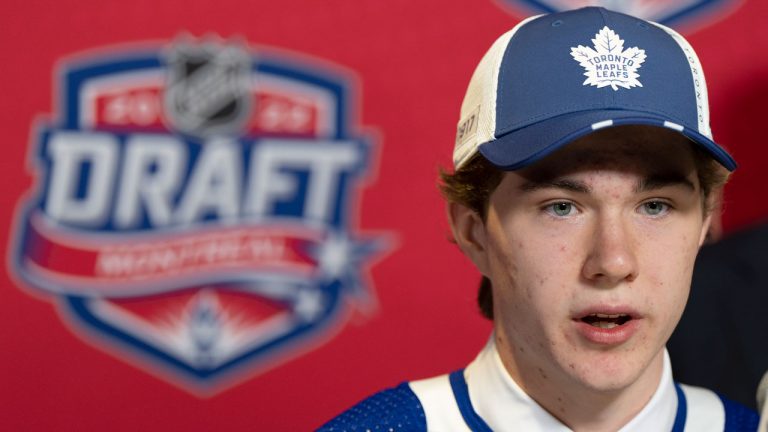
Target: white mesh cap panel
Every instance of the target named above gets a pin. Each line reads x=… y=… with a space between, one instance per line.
x=699 y=83
x=477 y=122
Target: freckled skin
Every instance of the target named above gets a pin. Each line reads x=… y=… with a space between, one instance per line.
x=608 y=249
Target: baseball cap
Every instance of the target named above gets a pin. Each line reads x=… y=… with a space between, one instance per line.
x=555 y=78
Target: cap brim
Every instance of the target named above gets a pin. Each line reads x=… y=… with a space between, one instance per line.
x=527 y=145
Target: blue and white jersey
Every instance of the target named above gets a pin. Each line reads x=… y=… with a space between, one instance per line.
x=483 y=397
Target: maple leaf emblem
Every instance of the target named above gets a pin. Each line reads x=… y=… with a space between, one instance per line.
x=609 y=64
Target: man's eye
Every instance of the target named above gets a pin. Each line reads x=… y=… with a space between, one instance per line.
x=655 y=208
x=561 y=208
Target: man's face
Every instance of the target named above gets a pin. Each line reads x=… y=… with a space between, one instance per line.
x=590 y=252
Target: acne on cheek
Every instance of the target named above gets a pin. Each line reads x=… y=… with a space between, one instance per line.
x=502 y=343
x=542 y=373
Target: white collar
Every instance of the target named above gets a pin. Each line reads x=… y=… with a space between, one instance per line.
x=504 y=406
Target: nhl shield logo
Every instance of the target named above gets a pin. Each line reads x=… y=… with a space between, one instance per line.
x=194 y=209
x=208 y=88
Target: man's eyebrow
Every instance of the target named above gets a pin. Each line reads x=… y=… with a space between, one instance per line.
x=652 y=182
x=565 y=184
x=658 y=181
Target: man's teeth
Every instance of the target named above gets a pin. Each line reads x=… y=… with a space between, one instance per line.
x=604 y=324
x=607 y=316
x=606 y=321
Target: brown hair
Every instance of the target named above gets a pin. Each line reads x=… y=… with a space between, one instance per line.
x=473 y=184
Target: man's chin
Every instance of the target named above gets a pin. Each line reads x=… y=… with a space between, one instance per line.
x=607 y=384
x=607 y=372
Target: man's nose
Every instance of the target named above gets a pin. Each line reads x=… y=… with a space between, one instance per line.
x=611 y=256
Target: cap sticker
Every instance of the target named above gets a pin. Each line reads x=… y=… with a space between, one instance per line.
x=467 y=128
x=609 y=64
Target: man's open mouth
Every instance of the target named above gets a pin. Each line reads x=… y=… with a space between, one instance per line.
x=606 y=321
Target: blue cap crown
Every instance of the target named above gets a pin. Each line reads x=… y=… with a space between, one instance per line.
x=555 y=78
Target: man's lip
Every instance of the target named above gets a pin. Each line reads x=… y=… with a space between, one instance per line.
x=607 y=310
x=611 y=336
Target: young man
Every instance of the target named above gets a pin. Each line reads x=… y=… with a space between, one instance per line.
x=583 y=203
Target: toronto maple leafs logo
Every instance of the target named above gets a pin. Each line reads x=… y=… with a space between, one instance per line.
x=609 y=64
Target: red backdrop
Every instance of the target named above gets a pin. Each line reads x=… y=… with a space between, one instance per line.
x=412 y=61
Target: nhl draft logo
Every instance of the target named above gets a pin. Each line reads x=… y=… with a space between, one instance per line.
x=670 y=13
x=609 y=64
x=194 y=208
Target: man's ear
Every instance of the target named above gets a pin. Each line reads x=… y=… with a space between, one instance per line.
x=469 y=233
x=715 y=206
x=703 y=237
x=712 y=225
